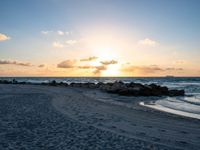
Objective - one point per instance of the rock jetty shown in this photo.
(118, 87)
(132, 89)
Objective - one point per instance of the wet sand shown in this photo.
(45, 117)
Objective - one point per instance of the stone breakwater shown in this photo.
(118, 87)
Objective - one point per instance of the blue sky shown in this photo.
(174, 24)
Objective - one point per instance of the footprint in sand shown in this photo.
(162, 130)
(140, 133)
(182, 142)
(122, 131)
(133, 124)
(148, 126)
(155, 139)
(113, 127)
(183, 132)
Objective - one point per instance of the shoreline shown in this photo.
(133, 128)
(171, 111)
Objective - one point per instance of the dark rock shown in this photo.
(43, 83)
(23, 82)
(14, 81)
(132, 84)
(5, 82)
(99, 84)
(53, 83)
(75, 84)
(85, 85)
(105, 87)
(62, 84)
(118, 87)
(137, 89)
(92, 85)
(176, 93)
(129, 92)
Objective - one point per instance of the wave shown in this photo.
(185, 106)
(37, 81)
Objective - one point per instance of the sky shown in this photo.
(99, 37)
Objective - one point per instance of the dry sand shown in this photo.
(44, 117)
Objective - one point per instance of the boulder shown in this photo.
(176, 93)
(53, 83)
(137, 89)
(92, 85)
(105, 87)
(14, 81)
(5, 82)
(63, 84)
(117, 86)
(76, 84)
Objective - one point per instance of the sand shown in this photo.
(45, 117)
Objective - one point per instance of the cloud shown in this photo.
(58, 44)
(109, 62)
(173, 69)
(86, 67)
(67, 64)
(71, 42)
(60, 32)
(4, 37)
(40, 66)
(98, 69)
(89, 58)
(142, 69)
(180, 62)
(68, 33)
(8, 62)
(45, 32)
(147, 42)
(147, 69)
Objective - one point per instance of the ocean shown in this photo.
(188, 106)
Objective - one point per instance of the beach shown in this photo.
(49, 117)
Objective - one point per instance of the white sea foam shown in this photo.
(37, 81)
(186, 106)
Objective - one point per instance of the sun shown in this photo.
(106, 53)
(112, 71)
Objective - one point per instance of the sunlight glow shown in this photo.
(112, 70)
(105, 53)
